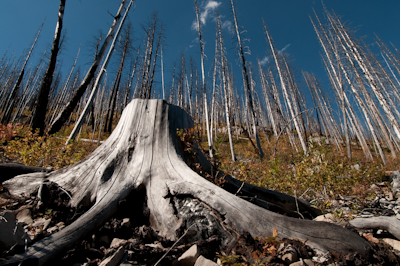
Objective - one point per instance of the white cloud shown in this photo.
(283, 49)
(211, 4)
(209, 7)
(195, 26)
(227, 25)
(264, 61)
(195, 42)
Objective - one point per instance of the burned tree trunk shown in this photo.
(38, 120)
(145, 153)
(70, 106)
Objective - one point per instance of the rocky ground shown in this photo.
(129, 240)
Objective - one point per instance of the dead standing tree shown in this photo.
(153, 46)
(70, 106)
(247, 85)
(11, 100)
(38, 120)
(226, 87)
(113, 97)
(203, 79)
(144, 153)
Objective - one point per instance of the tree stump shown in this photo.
(144, 153)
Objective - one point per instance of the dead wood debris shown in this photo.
(143, 246)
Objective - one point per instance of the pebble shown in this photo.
(320, 259)
(188, 258)
(115, 259)
(116, 243)
(52, 230)
(202, 261)
(126, 222)
(394, 243)
(301, 262)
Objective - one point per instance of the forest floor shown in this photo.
(342, 189)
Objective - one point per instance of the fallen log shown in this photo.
(390, 224)
(143, 154)
(9, 170)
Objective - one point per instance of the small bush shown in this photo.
(48, 151)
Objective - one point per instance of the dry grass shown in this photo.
(324, 174)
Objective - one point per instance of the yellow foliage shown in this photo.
(47, 151)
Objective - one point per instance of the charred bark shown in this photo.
(38, 120)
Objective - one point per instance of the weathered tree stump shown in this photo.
(143, 153)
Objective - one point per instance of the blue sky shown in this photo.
(287, 21)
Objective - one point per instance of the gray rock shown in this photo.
(301, 262)
(393, 242)
(188, 258)
(52, 229)
(24, 216)
(126, 222)
(395, 181)
(202, 261)
(320, 259)
(115, 259)
(355, 167)
(329, 217)
(116, 243)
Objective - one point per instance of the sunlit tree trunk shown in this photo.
(356, 54)
(203, 80)
(226, 89)
(70, 106)
(80, 121)
(265, 88)
(246, 82)
(284, 90)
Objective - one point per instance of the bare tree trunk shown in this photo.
(265, 88)
(70, 106)
(10, 103)
(247, 88)
(338, 85)
(79, 123)
(203, 79)
(162, 75)
(371, 81)
(38, 121)
(113, 97)
(153, 66)
(64, 91)
(226, 89)
(285, 92)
